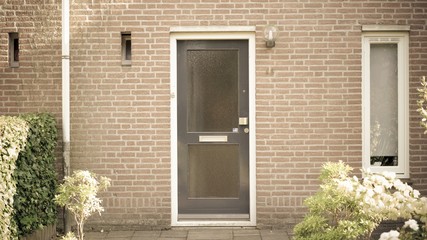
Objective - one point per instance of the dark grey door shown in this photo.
(213, 128)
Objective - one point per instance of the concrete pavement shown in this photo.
(191, 234)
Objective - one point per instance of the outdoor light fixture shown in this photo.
(270, 35)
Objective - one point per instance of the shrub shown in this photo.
(348, 208)
(411, 230)
(78, 195)
(13, 135)
(333, 215)
(36, 175)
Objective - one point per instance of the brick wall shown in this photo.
(308, 93)
(36, 85)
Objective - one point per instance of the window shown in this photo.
(126, 49)
(13, 50)
(385, 102)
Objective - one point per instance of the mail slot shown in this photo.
(213, 139)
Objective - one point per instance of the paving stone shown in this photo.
(174, 234)
(274, 235)
(210, 234)
(143, 238)
(247, 237)
(246, 232)
(95, 235)
(146, 235)
(184, 238)
(120, 234)
(193, 234)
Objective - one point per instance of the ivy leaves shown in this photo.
(36, 176)
(27, 171)
(13, 135)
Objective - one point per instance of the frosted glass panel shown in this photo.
(384, 104)
(213, 171)
(212, 90)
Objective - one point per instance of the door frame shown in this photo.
(212, 33)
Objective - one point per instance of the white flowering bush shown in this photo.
(78, 194)
(411, 230)
(422, 103)
(333, 213)
(382, 195)
(392, 235)
(350, 208)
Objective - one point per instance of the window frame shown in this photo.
(12, 37)
(125, 37)
(402, 41)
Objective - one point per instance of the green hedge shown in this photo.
(36, 175)
(28, 180)
(13, 134)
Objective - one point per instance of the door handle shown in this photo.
(243, 121)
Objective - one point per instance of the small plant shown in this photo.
(78, 195)
(69, 236)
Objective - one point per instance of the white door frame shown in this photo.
(212, 33)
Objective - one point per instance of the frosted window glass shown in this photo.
(212, 90)
(384, 104)
(213, 170)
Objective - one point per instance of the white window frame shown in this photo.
(402, 41)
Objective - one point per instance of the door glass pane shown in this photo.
(212, 90)
(213, 170)
(384, 104)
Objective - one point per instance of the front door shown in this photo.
(213, 129)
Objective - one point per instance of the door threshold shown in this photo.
(213, 217)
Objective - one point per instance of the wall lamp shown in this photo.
(270, 35)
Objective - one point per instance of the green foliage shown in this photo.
(36, 175)
(78, 195)
(413, 231)
(313, 227)
(332, 171)
(13, 135)
(346, 208)
(422, 103)
(333, 215)
(69, 236)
